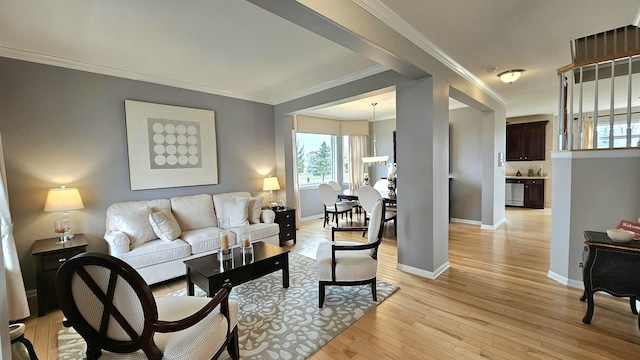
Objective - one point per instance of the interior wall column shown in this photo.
(422, 125)
(493, 142)
(284, 156)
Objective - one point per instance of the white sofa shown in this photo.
(155, 237)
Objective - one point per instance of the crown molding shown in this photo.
(393, 20)
(361, 74)
(105, 70)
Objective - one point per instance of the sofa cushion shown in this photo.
(219, 201)
(155, 252)
(236, 210)
(258, 231)
(205, 239)
(254, 208)
(136, 225)
(194, 212)
(164, 224)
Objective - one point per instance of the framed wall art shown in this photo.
(170, 146)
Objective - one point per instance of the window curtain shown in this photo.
(16, 295)
(587, 133)
(296, 185)
(357, 150)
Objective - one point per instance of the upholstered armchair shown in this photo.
(108, 303)
(351, 263)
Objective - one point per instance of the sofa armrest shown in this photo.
(118, 242)
(267, 216)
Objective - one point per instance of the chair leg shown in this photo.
(27, 344)
(326, 217)
(321, 293)
(373, 290)
(232, 345)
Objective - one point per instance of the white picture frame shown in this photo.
(170, 146)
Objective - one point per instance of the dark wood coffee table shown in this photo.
(210, 274)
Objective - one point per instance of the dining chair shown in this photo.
(367, 196)
(381, 185)
(345, 263)
(334, 184)
(329, 197)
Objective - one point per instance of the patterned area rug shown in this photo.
(278, 323)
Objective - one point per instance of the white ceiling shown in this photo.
(234, 48)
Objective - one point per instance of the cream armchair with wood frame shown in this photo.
(108, 303)
(351, 263)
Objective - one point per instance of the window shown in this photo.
(322, 158)
(315, 158)
(619, 132)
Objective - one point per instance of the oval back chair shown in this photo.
(108, 303)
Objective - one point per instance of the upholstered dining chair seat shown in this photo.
(340, 207)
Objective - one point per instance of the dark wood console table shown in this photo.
(611, 267)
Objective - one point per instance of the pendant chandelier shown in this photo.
(374, 160)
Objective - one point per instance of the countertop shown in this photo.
(526, 177)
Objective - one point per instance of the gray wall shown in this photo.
(62, 126)
(593, 190)
(466, 164)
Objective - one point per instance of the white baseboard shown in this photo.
(312, 217)
(476, 222)
(495, 226)
(465, 221)
(424, 273)
(565, 281)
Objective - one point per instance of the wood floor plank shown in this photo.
(495, 302)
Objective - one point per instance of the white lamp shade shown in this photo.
(270, 183)
(63, 199)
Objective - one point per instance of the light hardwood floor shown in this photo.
(494, 302)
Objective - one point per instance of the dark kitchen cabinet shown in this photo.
(534, 194)
(526, 141)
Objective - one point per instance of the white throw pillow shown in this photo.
(164, 224)
(255, 207)
(136, 226)
(237, 211)
(194, 212)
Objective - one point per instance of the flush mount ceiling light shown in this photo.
(510, 76)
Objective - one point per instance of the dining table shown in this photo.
(348, 194)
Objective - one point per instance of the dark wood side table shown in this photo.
(610, 267)
(286, 218)
(49, 255)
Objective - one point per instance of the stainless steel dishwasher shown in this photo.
(514, 192)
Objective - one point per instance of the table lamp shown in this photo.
(270, 183)
(63, 199)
